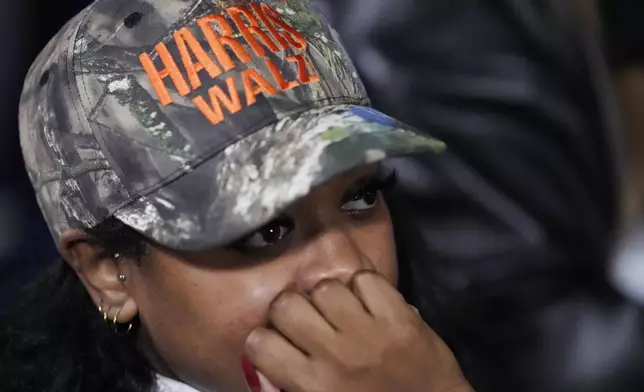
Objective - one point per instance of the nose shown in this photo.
(332, 254)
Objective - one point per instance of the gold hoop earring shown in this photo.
(120, 333)
(103, 313)
(105, 318)
(116, 326)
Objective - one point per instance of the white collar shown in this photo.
(165, 384)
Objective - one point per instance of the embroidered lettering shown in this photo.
(156, 76)
(249, 31)
(302, 71)
(219, 41)
(276, 35)
(279, 78)
(254, 83)
(250, 34)
(293, 37)
(185, 40)
(213, 111)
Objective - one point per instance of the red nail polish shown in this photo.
(252, 379)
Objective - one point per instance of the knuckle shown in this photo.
(324, 287)
(284, 301)
(356, 364)
(406, 335)
(364, 277)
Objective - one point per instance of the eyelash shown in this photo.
(380, 183)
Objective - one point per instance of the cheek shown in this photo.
(378, 245)
(198, 319)
(225, 304)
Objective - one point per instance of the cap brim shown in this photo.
(246, 185)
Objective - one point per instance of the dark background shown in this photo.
(25, 243)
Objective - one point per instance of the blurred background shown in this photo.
(450, 65)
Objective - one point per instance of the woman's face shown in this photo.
(197, 309)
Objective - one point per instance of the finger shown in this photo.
(301, 323)
(339, 306)
(266, 384)
(379, 296)
(276, 358)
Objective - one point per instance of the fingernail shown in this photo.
(252, 338)
(252, 379)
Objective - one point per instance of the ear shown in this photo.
(99, 275)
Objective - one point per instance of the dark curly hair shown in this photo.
(54, 340)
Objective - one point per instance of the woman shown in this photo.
(213, 179)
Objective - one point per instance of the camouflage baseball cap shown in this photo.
(195, 121)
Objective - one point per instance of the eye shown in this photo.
(363, 200)
(272, 235)
(366, 194)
